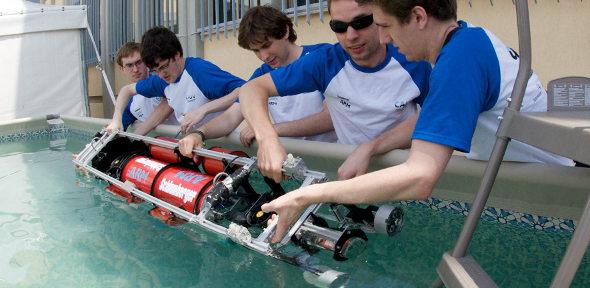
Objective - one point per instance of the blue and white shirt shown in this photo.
(200, 82)
(140, 108)
(286, 109)
(473, 77)
(363, 102)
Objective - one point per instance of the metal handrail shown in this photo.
(491, 171)
(575, 251)
(581, 238)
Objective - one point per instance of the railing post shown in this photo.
(195, 44)
(182, 34)
(106, 61)
(136, 22)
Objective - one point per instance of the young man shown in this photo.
(194, 88)
(270, 35)
(369, 88)
(472, 78)
(149, 112)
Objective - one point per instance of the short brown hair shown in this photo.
(126, 50)
(263, 22)
(439, 9)
(159, 43)
(360, 2)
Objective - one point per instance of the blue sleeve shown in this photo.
(151, 87)
(128, 118)
(213, 82)
(260, 71)
(459, 91)
(310, 73)
(314, 47)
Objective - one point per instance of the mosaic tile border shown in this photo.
(24, 135)
(491, 214)
(502, 216)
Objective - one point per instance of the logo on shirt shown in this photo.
(400, 105)
(190, 98)
(138, 112)
(344, 101)
(272, 103)
(513, 54)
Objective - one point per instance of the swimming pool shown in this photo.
(60, 229)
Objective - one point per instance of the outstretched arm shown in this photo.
(196, 115)
(311, 125)
(122, 99)
(397, 137)
(254, 104)
(412, 180)
(219, 126)
(158, 116)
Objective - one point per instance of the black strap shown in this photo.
(450, 35)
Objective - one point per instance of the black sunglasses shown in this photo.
(359, 23)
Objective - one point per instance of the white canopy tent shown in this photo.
(41, 70)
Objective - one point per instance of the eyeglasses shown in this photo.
(161, 68)
(358, 23)
(130, 66)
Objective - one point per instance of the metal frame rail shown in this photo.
(458, 269)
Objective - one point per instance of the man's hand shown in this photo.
(191, 118)
(289, 207)
(356, 164)
(247, 136)
(271, 155)
(114, 126)
(188, 143)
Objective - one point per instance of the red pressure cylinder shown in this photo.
(182, 188)
(165, 154)
(141, 171)
(213, 166)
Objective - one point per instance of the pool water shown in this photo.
(59, 228)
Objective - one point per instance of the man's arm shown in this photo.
(162, 111)
(122, 99)
(254, 104)
(219, 126)
(412, 180)
(397, 137)
(311, 125)
(315, 124)
(196, 115)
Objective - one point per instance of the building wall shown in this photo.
(560, 38)
(226, 53)
(95, 92)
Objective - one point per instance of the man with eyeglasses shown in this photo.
(149, 112)
(269, 33)
(195, 88)
(369, 88)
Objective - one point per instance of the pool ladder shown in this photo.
(570, 137)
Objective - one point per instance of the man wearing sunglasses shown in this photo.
(369, 88)
(195, 88)
(269, 33)
(149, 112)
(470, 85)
